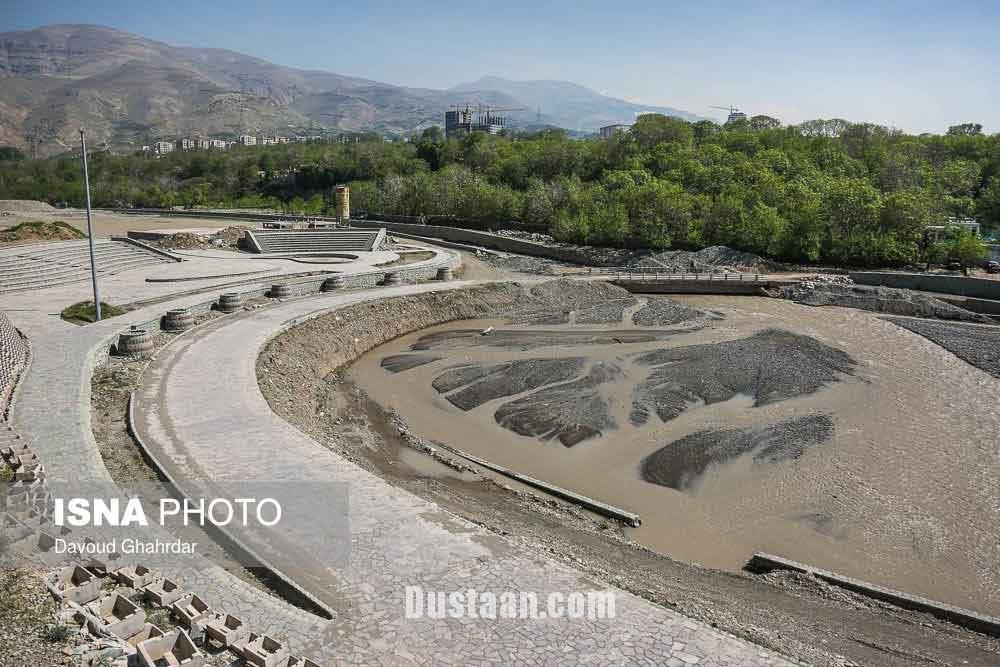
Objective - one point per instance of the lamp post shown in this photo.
(90, 228)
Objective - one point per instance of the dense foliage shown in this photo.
(825, 190)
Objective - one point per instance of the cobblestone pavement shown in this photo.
(201, 413)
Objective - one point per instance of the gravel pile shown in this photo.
(661, 311)
(714, 259)
(978, 345)
(682, 463)
(877, 299)
(769, 366)
(524, 264)
(227, 238)
(559, 301)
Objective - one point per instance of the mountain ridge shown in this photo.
(128, 90)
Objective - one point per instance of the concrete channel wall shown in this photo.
(981, 288)
(484, 239)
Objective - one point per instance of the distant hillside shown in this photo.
(570, 105)
(128, 91)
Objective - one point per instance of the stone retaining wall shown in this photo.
(13, 359)
(982, 288)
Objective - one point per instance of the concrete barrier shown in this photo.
(981, 288)
(989, 625)
(484, 239)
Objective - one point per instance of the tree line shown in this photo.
(821, 191)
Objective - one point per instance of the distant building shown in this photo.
(186, 144)
(248, 140)
(218, 144)
(932, 233)
(609, 131)
(203, 144)
(163, 147)
(282, 140)
(468, 120)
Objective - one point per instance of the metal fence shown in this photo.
(644, 274)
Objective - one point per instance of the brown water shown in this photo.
(906, 494)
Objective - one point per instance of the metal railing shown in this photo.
(650, 275)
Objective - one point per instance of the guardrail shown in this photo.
(649, 275)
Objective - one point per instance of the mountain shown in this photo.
(129, 91)
(570, 105)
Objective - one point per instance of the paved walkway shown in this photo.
(202, 413)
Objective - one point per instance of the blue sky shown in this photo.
(920, 66)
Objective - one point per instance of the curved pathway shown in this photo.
(202, 415)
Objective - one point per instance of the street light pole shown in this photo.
(90, 227)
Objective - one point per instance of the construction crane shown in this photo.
(734, 113)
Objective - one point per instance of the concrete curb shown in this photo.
(629, 518)
(988, 625)
(147, 247)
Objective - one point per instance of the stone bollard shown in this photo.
(280, 291)
(445, 273)
(135, 342)
(392, 279)
(333, 283)
(230, 302)
(178, 319)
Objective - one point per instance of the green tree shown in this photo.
(961, 245)
(966, 130)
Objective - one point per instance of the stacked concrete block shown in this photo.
(177, 320)
(135, 342)
(230, 302)
(392, 279)
(13, 359)
(262, 651)
(172, 649)
(116, 615)
(163, 592)
(333, 283)
(149, 631)
(225, 629)
(190, 609)
(281, 291)
(134, 576)
(75, 584)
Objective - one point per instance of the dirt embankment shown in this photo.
(38, 231)
(224, 239)
(301, 375)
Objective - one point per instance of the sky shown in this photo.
(919, 66)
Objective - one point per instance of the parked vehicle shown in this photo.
(993, 267)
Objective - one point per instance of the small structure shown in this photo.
(248, 140)
(174, 649)
(117, 615)
(342, 201)
(76, 584)
(225, 629)
(262, 651)
(134, 576)
(163, 592)
(190, 609)
(609, 131)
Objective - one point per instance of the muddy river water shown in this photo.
(900, 487)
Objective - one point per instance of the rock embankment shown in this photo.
(13, 359)
(978, 345)
(877, 299)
